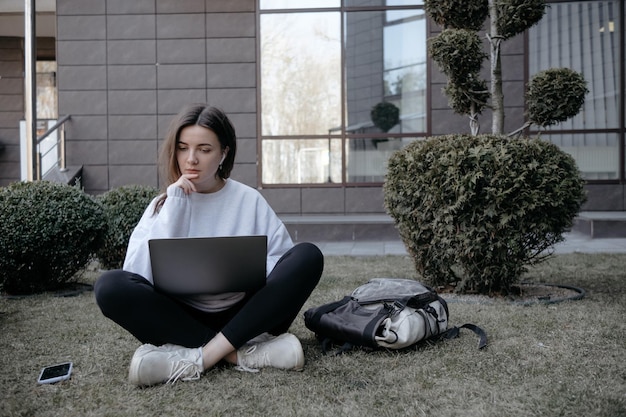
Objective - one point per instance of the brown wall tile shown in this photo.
(230, 6)
(82, 102)
(79, 7)
(126, 102)
(178, 51)
(132, 174)
(86, 127)
(81, 28)
(133, 152)
(230, 25)
(132, 77)
(130, 7)
(179, 6)
(88, 77)
(231, 50)
(231, 75)
(131, 26)
(133, 127)
(177, 26)
(81, 53)
(323, 200)
(131, 52)
(283, 200)
(183, 76)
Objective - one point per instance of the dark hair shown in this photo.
(206, 116)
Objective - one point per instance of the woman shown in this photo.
(184, 336)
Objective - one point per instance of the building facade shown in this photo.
(299, 85)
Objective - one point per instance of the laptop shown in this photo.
(209, 265)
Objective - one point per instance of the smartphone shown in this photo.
(55, 373)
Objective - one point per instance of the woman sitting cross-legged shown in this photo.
(185, 335)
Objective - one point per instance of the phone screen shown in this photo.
(55, 373)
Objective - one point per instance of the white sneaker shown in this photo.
(168, 363)
(282, 352)
(263, 337)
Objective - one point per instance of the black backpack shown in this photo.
(384, 313)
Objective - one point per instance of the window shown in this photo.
(584, 36)
(323, 70)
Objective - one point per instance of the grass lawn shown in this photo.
(565, 359)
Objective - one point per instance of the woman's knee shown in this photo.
(113, 285)
(310, 253)
(311, 260)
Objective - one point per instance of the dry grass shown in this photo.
(543, 360)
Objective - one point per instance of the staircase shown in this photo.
(70, 175)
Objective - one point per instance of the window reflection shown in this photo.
(301, 161)
(367, 159)
(384, 58)
(300, 73)
(582, 36)
(386, 62)
(363, 3)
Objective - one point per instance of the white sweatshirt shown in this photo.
(235, 210)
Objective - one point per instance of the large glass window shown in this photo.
(322, 73)
(585, 36)
(300, 73)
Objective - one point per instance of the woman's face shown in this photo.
(199, 154)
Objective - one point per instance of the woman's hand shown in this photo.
(185, 183)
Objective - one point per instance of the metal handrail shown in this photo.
(61, 162)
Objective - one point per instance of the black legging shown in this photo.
(154, 317)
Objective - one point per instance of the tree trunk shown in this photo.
(497, 97)
(474, 124)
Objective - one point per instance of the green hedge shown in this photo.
(474, 211)
(48, 232)
(123, 207)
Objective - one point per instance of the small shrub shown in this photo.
(473, 211)
(457, 52)
(123, 208)
(458, 14)
(518, 15)
(554, 95)
(48, 232)
(385, 115)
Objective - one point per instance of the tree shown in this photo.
(473, 211)
(458, 52)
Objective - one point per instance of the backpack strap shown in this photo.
(323, 309)
(327, 345)
(453, 332)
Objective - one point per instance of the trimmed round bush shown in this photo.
(458, 14)
(123, 208)
(474, 211)
(457, 52)
(554, 95)
(385, 115)
(48, 232)
(518, 15)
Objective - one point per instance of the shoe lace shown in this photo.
(264, 359)
(184, 371)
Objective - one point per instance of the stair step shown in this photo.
(336, 228)
(378, 227)
(601, 224)
(71, 175)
